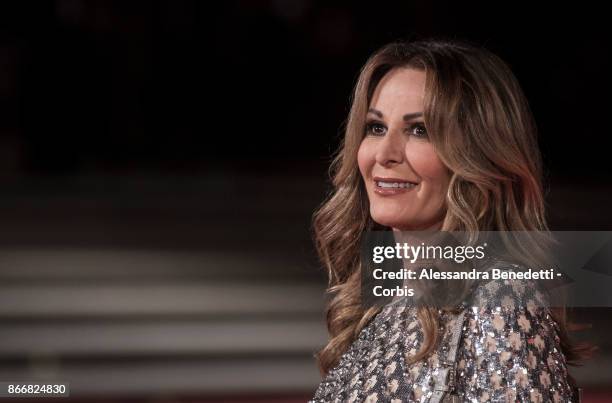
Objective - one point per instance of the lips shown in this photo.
(382, 179)
(387, 186)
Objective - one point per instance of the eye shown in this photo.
(375, 129)
(418, 130)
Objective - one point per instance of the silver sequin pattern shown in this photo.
(509, 351)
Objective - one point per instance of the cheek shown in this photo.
(429, 167)
(365, 158)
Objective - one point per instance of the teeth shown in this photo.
(395, 184)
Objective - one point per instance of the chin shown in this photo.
(390, 220)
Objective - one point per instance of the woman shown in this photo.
(439, 137)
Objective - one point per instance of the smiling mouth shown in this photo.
(394, 185)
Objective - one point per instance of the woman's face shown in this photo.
(405, 180)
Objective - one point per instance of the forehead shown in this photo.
(401, 90)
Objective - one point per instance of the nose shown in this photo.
(390, 150)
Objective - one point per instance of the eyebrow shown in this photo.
(408, 116)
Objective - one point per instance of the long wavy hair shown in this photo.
(482, 129)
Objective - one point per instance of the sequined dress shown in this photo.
(509, 351)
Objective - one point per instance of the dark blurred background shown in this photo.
(160, 162)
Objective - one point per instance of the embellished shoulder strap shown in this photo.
(444, 382)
